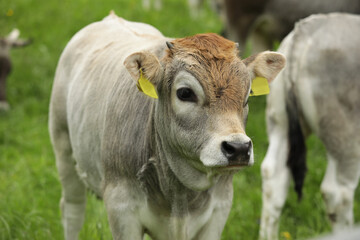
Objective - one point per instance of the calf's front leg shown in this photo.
(122, 212)
(213, 229)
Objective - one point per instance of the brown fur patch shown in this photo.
(210, 45)
(214, 61)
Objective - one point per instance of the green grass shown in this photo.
(29, 186)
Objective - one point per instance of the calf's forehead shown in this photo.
(226, 85)
(215, 63)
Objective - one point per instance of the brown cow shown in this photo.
(264, 21)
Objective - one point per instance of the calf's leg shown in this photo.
(122, 211)
(73, 200)
(213, 229)
(338, 187)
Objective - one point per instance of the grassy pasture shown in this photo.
(29, 186)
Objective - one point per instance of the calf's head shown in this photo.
(203, 88)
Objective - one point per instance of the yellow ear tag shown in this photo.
(145, 86)
(259, 86)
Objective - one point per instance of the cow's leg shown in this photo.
(3, 103)
(276, 177)
(338, 187)
(73, 198)
(4, 106)
(158, 4)
(5, 69)
(146, 4)
(195, 7)
(122, 212)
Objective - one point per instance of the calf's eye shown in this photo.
(186, 95)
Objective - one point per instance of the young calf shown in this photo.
(6, 43)
(163, 165)
(317, 92)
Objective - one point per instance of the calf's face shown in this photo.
(203, 88)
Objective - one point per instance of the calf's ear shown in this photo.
(265, 65)
(144, 64)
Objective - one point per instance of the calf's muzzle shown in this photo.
(237, 153)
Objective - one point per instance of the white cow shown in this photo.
(163, 166)
(318, 92)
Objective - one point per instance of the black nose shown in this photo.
(236, 153)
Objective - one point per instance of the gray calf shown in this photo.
(163, 166)
(318, 92)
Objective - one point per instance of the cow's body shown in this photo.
(317, 93)
(163, 167)
(264, 21)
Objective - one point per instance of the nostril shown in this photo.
(233, 150)
(229, 148)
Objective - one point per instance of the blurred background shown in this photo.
(29, 186)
